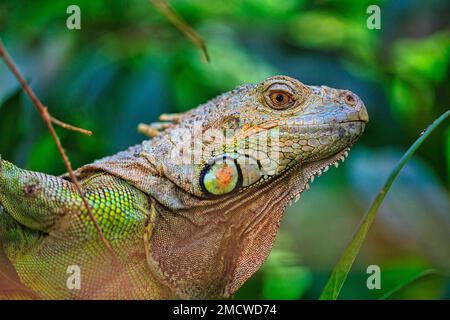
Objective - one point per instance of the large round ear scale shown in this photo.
(220, 176)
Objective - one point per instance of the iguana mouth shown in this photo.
(354, 121)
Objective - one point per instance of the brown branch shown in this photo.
(49, 120)
(166, 9)
(70, 127)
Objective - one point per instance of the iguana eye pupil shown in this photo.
(278, 99)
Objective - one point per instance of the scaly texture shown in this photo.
(192, 212)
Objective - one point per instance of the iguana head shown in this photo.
(228, 170)
(223, 173)
(257, 134)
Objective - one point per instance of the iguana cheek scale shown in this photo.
(189, 229)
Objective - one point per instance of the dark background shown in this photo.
(128, 64)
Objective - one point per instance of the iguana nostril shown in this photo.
(350, 99)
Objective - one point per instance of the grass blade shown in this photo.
(407, 282)
(340, 271)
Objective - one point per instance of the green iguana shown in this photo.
(192, 212)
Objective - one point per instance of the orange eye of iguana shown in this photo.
(280, 99)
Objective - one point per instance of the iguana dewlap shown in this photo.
(192, 212)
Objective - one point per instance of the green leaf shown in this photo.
(427, 58)
(340, 272)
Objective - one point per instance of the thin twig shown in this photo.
(165, 8)
(48, 119)
(70, 127)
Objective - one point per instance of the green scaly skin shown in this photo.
(178, 231)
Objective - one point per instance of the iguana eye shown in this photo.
(279, 97)
(221, 176)
(280, 100)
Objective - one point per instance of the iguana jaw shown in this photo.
(311, 171)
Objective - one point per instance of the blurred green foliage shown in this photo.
(128, 64)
